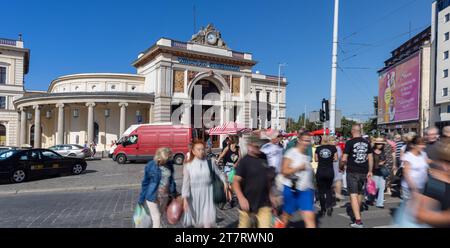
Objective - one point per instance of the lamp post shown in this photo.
(278, 94)
(334, 69)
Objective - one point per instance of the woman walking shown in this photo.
(415, 168)
(197, 190)
(298, 183)
(158, 185)
(380, 170)
(325, 154)
(231, 156)
(338, 175)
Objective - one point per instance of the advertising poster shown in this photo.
(399, 89)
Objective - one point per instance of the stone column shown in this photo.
(23, 127)
(37, 126)
(150, 114)
(90, 122)
(60, 134)
(123, 117)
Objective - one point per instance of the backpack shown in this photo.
(219, 196)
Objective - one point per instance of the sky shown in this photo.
(86, 36)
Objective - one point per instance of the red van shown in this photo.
(140, 142)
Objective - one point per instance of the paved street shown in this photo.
(106, 195)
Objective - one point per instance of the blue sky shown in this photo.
(84, 36)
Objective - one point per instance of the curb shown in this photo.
(90, 188)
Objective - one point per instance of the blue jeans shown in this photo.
(381, 185)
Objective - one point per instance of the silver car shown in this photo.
(75, 151)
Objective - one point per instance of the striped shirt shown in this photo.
(398, 148)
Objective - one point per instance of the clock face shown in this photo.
(211, 38)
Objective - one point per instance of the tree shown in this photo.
(346, 129)
(370, 126)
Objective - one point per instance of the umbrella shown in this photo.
(228, 128)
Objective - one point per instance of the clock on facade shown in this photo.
(211, 38)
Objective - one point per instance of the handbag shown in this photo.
(218, 187)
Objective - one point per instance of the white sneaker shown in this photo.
(354, 225)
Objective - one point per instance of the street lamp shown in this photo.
(278, 94)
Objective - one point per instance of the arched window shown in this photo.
(96, 131)
(2, 135)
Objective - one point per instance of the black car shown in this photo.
(20, 165)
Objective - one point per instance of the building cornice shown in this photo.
(82, 97)
(96, 76)
(155, 50)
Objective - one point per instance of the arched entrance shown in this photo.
(2, 135)
(205, 110)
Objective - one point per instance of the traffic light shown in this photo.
(325, 110)
(322, 115)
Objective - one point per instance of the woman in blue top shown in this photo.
(158, 185)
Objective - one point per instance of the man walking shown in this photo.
(359, 161)
(252, 183)
(431, 137)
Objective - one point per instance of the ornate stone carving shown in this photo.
(236, 87)
(192, 75)
(178, 81)
(202, 37)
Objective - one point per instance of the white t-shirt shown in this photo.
(305, 177)
(418, 169)
(274, 155)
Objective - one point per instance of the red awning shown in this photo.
(320, 132)
(228, 128)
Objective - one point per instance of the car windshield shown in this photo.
(7, 154)
(77, 147)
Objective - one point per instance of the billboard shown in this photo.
(399, 92)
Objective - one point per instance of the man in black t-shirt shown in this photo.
(359, 160)
(252, 183)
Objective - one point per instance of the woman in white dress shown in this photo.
(197, 190)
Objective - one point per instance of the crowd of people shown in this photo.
(272, 177)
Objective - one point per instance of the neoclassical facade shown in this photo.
(176, 82)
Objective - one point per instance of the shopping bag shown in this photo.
(174, 211)
(371, 187)
(141, 217)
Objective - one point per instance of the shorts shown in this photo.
(299, 200)
(229, 172)
(356, 182)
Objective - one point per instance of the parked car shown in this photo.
(76, 151)
(140, 142)
(20, 165)
(6, 148)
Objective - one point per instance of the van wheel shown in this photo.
(18, 176)
(178, 159)
(121, 159)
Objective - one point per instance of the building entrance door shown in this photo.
(204, 115)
